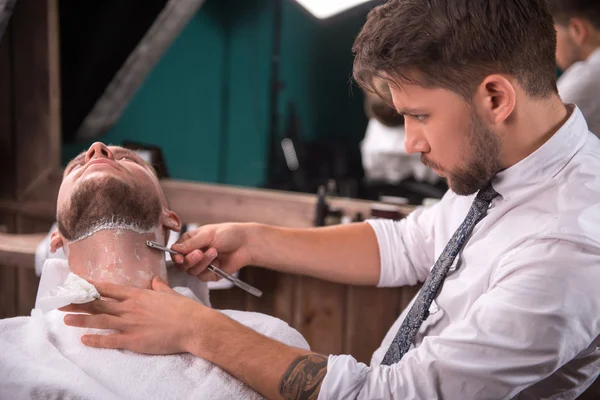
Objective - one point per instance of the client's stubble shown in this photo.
(107, 203)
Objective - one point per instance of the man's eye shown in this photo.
(126, 159)
(420, 118)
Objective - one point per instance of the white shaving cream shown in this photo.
(113, 226)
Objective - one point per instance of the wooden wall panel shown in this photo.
(29, 132)
(228, 299)
(7, 158)
(319, 314)
(279, 291)
(8, 277)
(285, 297)
(27, 281)
(370, 313)
(36, 131)
(264, 280)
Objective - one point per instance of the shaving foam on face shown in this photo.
(113, 226)
(74, 290)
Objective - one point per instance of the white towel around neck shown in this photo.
(41, 357)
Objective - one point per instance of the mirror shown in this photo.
(256, 93)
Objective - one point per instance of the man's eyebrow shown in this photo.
(409, 111)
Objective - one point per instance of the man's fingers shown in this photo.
(113, 291)
(208, 276)
(95, 307)
(102, 321)
(189, 241)
(192, 259)
(112, 341)
(76, 308)
(201, 264)
(159, 286)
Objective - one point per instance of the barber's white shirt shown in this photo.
(519, 314)
(580, 85)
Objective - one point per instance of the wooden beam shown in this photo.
(208, 203)
(18, 250)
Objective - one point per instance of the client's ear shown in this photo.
(56, 241)
(170, 220)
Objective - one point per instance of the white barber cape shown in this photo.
(580, 85)
(518, 316)
(42, 358)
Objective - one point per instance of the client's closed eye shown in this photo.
(127, 158)
(76, 165)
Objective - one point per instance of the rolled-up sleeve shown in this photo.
(406, 247)
(538, 314)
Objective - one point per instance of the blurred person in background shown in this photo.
(577, 24)
(384, 156)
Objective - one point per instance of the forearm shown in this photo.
(275, 370)
(344, 253)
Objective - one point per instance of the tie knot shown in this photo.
(487, 193)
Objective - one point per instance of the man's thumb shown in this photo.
(159, 286)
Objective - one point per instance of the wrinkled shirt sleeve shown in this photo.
(526, 326)
(406, 247)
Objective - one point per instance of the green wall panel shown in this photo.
(250, 27)
(206, 103)
(179, 105)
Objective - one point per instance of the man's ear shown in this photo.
(56, 241)
(169, 219)
(578, 30)
(495, 99)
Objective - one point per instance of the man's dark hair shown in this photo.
(455, 44)
(564, 10)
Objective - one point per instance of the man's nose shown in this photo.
(414, 140)
(98, 150)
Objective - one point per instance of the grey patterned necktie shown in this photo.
(420, 309)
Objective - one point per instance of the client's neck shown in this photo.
(118, 256)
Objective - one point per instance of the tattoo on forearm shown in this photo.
(303, 378)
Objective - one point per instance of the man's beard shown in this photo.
(482, 159)
(108, 202)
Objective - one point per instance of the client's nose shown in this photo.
(98, 150)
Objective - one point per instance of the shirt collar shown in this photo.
(595, 56)
(545, 162)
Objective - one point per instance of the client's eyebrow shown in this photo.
(117, 153)
(74, 161)
(122, 152)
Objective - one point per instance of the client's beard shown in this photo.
(108, 203)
